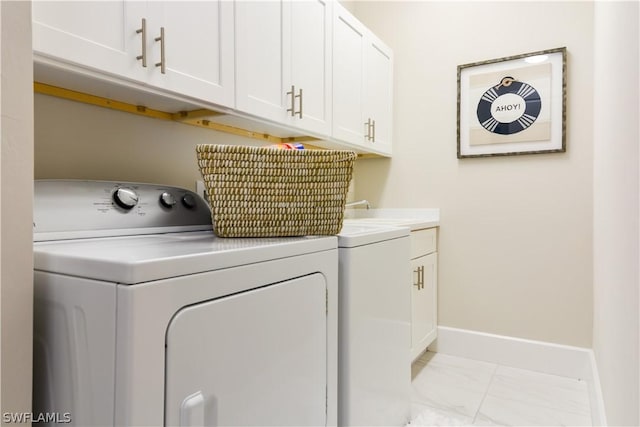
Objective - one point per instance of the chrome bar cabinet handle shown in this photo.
(418, 283)
(163, 63)
(373, 139)
(143, 31)
(299, 96)
(292, 110)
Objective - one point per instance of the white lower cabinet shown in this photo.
(424, 290)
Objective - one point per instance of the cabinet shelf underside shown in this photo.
(198, 117)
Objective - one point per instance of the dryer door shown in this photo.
(254, 358)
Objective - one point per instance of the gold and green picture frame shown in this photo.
(513, 105)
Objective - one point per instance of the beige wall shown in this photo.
(616, 211)
(16, 176)
(79, 141)
(516, 232)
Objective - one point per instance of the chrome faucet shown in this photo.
(358, 203)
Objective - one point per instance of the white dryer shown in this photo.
(144, 318)
(375, 326)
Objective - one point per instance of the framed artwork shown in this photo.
(513, 105)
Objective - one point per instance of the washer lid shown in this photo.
(353, 234)
(136, 259)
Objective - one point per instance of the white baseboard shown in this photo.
(538, 356)
(598, 414)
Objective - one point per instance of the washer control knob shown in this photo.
(167, 200)
(125, 197)
(189, 201)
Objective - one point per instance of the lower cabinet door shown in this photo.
(254, 358)
(424, 301)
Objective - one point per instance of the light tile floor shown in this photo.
(454, 391)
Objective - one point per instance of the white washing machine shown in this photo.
(375, 326)
(144, 318)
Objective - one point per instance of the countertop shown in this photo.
(415, 219)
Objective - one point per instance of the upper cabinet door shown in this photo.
(362, 85)
(348, 65)
(198, 55)
(283, 62)
(261, 52)
(310, 32)
(378, 78)
(183, 47)
(98, 35)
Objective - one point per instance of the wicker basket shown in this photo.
(267, 192)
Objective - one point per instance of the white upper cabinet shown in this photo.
(378, 94)
(261, 52)
(198, 48)
(183, 47)
(299, 67)
(311, 64)
(362, 85)
(98, 35)
(283, 62)
(348, 66)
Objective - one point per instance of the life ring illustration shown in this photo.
(509, 108)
